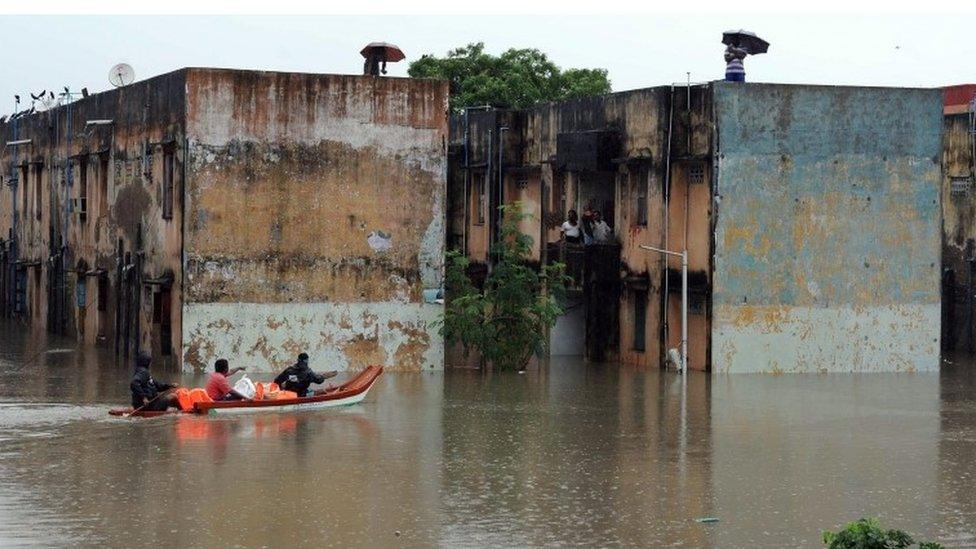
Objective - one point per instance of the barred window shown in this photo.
(169, 161)
(696, 173)
(639, 183)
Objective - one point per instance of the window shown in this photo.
(639, 184)
(479, 199)
(165, 324)
(82, 205)
(959, 185)
(157, 308)
(36, 307)
(81, 291)
(102, 292)
(168, 169)
(23, 190)
(640, 319)
(38, 194)
(103, 185)
(696, 173)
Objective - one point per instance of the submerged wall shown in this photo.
(827, 232)
(315, 219)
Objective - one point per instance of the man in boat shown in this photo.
(147, 394)
(218, 387)
(299, 376)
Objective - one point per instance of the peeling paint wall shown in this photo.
(958, 233)
(827, 235)
(314, 219)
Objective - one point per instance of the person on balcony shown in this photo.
(571, 228)
(602, 233)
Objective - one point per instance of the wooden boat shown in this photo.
(350, 392)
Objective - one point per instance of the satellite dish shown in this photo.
(121, 75)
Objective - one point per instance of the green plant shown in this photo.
(517, 78)
(867, 533)
(507, 321)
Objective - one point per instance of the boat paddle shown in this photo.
(161, 393)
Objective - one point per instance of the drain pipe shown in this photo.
(667, 208)
(501, 178)
(684, 301)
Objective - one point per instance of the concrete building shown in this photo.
(958, 220)
(241, 214)
(811, 215)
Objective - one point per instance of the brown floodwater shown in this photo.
(576, 454)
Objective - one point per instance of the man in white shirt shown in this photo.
(571, 229)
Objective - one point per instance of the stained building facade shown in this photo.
(249, 215)
(810, 215)
(959, 220)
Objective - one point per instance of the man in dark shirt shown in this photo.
(147, 394)
(298, 377)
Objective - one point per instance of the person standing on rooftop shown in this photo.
(735, 71)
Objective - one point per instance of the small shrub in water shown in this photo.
(506, 322)
(867, 533)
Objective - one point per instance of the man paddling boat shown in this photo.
(299, 376)
(147, 394)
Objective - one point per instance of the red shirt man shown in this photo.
(218, 387)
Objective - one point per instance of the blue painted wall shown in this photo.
(827, 231)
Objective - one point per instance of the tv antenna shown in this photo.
(49, 101)
(121, 75)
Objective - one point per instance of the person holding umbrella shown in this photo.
(735, 71)
(740, 44)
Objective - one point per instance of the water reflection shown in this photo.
(569, 454)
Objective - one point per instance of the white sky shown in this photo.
(49, 52)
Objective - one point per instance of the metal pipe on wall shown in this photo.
(501, 177)
(667, 217)
(13, 210)
(486, 186)
(467, 183)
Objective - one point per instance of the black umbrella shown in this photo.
(745, 40)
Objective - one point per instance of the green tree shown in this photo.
(517, 78)
(506, 322)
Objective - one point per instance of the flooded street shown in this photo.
(595, 455)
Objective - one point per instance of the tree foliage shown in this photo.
(867, 533)
(517, 78)
(506, 322)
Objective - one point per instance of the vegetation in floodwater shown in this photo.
(867, 533)
(506, 321)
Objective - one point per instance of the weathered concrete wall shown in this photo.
(827, 235)
(958, 233)
(635, 183)
(640, 119)
(97, 190)
(315, 219)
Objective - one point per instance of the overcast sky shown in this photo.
(50, 52)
